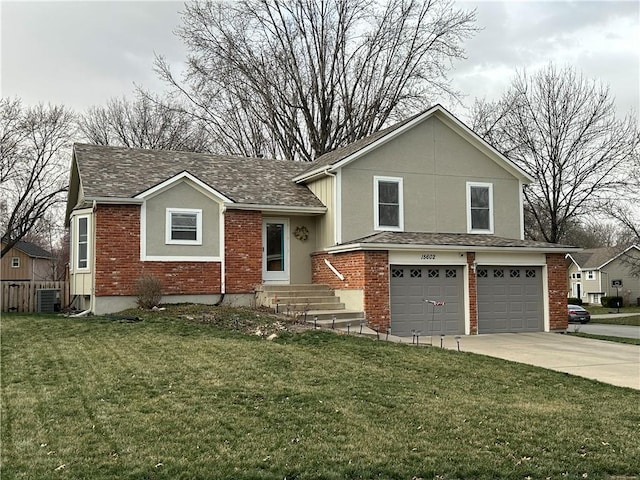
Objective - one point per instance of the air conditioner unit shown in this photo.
(48, 300)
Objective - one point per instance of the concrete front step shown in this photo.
(301, 307)
(273, 288)
(306, 299)
(339, 314)
(352, 323)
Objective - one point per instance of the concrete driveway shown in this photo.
(608, 362)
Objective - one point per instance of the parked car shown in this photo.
(578, 314)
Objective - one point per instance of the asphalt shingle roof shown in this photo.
(593, 258)
(454, 239)
(118, 172)
(33, 250)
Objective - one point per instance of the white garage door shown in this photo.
(412, 285)
(510, 299)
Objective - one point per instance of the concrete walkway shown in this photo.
(608, 362)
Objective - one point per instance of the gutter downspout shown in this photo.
(335, 204)
(223, 258)
(92, 224)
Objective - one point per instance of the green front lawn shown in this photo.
(173, 397)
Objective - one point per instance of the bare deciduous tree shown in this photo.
(34, 165)
(561, 129)
(300, 78)
(144, 123)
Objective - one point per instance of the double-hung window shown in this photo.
(184, 226)
(479, 207)
(387, 199)
(82, 242)
(15, 262)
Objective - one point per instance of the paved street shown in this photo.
(627, 331)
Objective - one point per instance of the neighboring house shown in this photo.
(593, 273)
(424, 210)
(27, 262)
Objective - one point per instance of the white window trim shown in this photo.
(376, 214)
(15, 262)
(590, 275)
(197, 212)
(490, 187)
(76, 243)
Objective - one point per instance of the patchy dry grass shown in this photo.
(187, 393)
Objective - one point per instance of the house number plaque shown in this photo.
(428, 256)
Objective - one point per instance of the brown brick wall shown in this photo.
(557, 282)
(368, 271)
(118, 264)
(473, 295)
(243, 250)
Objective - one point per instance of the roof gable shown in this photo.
(338, 158)
(206, 189)
(597, 258)
(32, 250)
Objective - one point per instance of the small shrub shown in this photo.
(611, 302)
(148, 291)
(574, 301)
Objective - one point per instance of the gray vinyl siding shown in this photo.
(182, 195)
(618, 270)
(435, 164)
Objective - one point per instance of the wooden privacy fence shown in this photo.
(22, 296)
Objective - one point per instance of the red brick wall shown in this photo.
(243, 250)
(368, 271)
(118, 264)
(473, 294)
(350, 264)
(557, 282)
(376, 291)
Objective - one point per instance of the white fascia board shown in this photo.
(115, 200)
(467, 248)
(568, 255)
(292, 210)
(181, 176)
(475, 138)
(460, 127)
(618, 256)
(367, 149)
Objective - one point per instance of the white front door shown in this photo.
(275, 250)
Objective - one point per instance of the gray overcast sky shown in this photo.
(82, 53)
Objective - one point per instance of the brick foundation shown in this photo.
(557, 284)
(118, 265)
